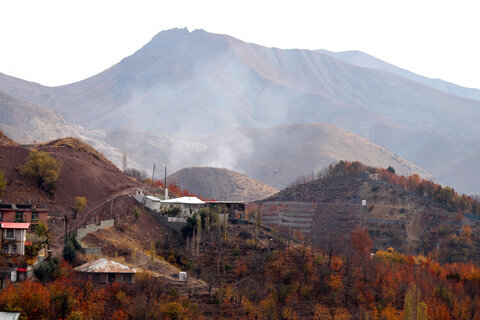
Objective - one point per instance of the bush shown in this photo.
(3, 181)
(44, 169)
(69, 252)
(47, 271)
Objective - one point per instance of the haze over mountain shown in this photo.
(275, 156)
(25, 122)
(189, 83)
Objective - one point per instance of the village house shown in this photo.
(104, 271)
(187, 205)
(23, 213)
(14, 236)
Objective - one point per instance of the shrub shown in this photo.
(3, 182)
(69, 252)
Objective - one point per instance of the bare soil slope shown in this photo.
(84, 172)
(221, 184)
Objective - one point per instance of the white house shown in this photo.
(14, 236)
(187, 205)
(150, 202)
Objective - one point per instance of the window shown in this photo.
(10, 234)
(34, 216)
(14, 249)
(33, 227)
(5, 248)
(19, 216)
(111, 277)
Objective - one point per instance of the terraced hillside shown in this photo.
(328, 210)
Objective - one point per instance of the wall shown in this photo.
(89, 228)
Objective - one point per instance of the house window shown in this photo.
(10, 234)
(5, 248)
(14, 249)
(19, 216)
(111, 277)
(33, 227)
(34, 216)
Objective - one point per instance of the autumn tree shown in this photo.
(3, 182)
(414, 308)
(44, 169)
(79, 203)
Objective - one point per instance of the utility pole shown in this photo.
(165, 184)
(66, 233)
(153, 177)
(124, 161)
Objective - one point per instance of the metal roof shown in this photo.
(9, 315)
(15, 225)
(153, 198)
(103, 265)
(184, 200)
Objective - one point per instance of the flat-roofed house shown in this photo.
(11, 212)
(14, 236)
(187, 205)
(103, 271)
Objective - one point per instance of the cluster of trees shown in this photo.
(301, 282)
(445, 195)
(254, 282)
(67, 297)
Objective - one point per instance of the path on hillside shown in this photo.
(73, 224)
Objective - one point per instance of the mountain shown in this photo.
(191, 82)
(26, 122)
(275, 156)
(220, 184)
(185, 83)
(362, 59)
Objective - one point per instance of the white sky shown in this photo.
(56, 42)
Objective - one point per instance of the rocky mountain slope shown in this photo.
(220, 184)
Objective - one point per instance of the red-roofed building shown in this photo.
(10, 212)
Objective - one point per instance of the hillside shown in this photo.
(329, 209)
(220, 184)
(85, 173)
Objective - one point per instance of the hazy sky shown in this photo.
(61, 41)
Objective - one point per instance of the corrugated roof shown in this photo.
(15, 225)
(184, 200)
(103, 265)
(9, 315)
